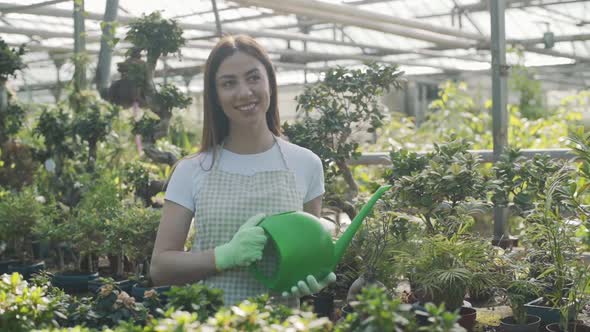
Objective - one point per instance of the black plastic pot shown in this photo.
(467, 320)
(5, 264)
(124, 285)
(137, 292)
(26, 270)
(323, 305)
(74, 282)
(532, 324)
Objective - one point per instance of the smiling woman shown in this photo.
(243, 172)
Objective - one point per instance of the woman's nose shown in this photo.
(244, 90)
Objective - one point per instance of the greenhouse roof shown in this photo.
(304, 37)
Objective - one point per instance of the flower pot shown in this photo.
(467, 320)
(26, 269)
(137, 291)
(548, 314)
(74, 282)
(323, 305)
(124, 285)
(573, 326)
(5, 264)
(532, 324)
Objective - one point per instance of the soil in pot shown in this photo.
(573, 326)
(508, 324)
(467, 320)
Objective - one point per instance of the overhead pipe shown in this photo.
(352, 20)
(371, 16)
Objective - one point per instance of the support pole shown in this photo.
(217, 21)
(103, 68)
(79, 46)
(499, 99)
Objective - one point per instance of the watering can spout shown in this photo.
(344, 240)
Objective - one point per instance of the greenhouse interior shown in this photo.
(377, 165)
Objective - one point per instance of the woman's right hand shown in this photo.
(244, 248)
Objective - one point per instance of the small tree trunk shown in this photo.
(60, 258)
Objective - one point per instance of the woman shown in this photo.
(243, 172)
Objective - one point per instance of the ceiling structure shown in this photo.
(303, 37)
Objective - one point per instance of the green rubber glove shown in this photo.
(244, 248)
(310, 285)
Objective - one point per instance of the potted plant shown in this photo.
(19, 213)
(87, 226)
(443, 188)
(441, 270)
(576, 299)
(520, 292)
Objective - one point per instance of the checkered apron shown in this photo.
(225, 202)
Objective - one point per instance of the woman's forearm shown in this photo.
(181, 268)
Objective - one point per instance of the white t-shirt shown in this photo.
(190, 173)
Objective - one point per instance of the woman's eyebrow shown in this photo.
(230, 76)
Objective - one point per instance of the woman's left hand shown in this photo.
(310, 285)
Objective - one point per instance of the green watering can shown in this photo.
(303, 247)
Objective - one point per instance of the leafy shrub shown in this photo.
(23, 307)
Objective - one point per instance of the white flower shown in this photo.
(77, 185)
(40, 199)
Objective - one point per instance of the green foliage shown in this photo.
(530, 92)
(442, 269)
(146, 126)
(156, 35)
(520, 292)
(197, 298)
(23, 307)
(92, 117)
(133, 230)
(345, 101)
(11, 120)
(456, 111)
(169, 97)
(10, 60)
(375, 310)
(19, 213)
(437, 185)
(55, 126)
(111, 307)
(521, 181)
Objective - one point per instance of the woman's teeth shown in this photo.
(248, 107)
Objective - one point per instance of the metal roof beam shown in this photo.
(483, 5)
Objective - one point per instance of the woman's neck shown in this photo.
(248, 142)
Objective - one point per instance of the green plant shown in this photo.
(441, 269)
(344, 102)
(134, 231)
(23, 307)
(10, 60)
(441, 187)
(19, 213)
(376, 310)
(89, 223)
(197, 298)
(111, 307)
(169, 97)
(156, 35)
(520, 292)
(92, 121)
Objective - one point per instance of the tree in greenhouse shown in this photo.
(338, 108)
(152, 36)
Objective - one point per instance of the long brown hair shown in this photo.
(216, 123)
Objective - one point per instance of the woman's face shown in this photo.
(243, 90)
